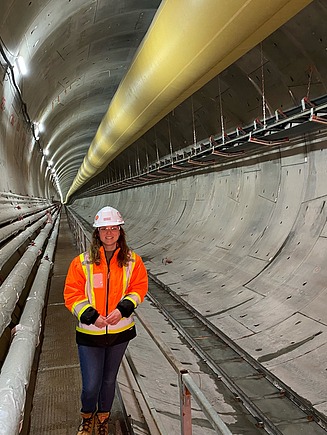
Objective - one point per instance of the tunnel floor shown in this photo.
(55, 408)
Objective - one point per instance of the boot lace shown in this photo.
(86, 426)
(102, 427)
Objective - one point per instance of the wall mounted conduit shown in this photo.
(17, 226)
(16, 370)
(12, 287)
(9, 249)
(187, 44)
(14, 206)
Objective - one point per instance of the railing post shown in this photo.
(185, 407)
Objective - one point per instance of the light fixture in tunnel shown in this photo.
(21, 65)
(38, 128)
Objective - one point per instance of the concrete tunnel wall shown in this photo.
(23, 169)
(246, 240)
(247, 244)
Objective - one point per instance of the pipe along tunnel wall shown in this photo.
(28, 233)
(246, 245)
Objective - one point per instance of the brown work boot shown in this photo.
(86, 427)
(102, 423)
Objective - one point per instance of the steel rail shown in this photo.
(186, 379)
(283, 388)
(239, 356)
(261, 419)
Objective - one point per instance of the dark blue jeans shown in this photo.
(99, 368)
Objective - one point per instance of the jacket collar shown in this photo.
(103, 255)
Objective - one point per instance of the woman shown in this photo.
(102, 289)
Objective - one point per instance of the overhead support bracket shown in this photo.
(319, 119)
(279, 114)
(154, 176)
(305, 102)
(258, 124)
(194, 162)
(227, 154)
(223, 153)
(180, 168)
(240, 131)
(268, 143)
(143, 178)
(160, 171)
(199, 154)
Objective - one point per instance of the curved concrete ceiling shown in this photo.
(77, 56)
(166, 70)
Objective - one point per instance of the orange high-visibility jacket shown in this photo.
(90, 285)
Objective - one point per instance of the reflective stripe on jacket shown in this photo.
(88, 285)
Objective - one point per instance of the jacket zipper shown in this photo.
(107, 294)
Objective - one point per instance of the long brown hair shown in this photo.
(123, 254)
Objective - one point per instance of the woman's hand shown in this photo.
(100, 322)
(114, 317)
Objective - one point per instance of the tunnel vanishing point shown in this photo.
(204, 123)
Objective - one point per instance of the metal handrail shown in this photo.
(187, 387)
(80, 234)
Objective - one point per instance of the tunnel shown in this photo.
(204, 123)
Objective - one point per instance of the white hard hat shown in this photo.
(107, 216)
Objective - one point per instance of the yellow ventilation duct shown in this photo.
(188, 43)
